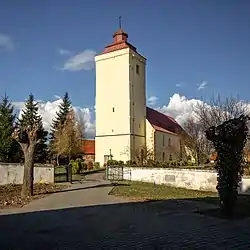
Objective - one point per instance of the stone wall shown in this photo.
(12, 173)
(184, 178)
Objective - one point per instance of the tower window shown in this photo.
(113, 109)
(137, 69)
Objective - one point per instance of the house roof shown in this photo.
(119, 42)
(162, 122)
(88, 147)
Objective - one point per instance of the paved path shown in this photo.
(86, 217)
(92, 191)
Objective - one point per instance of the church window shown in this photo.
(113, 109)
(139, 125)
(163, 140)
(137, 69)
(163, 156)
(169, 142)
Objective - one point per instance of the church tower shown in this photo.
(120, 101)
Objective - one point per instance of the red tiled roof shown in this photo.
(88, 147)
(162, 129)
(162, 122)
(119, 42)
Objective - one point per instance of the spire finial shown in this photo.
(120, 22)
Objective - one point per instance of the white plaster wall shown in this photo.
(112, 91)
(120, 104)
(162, 145)
(205, 180)
(150, 137)
(119, 145)
(13, 173)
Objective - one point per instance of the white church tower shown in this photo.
(120, 101)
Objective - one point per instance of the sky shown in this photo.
(194, 49)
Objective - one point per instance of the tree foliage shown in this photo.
(68, 137)
(229, 140)
(61, 115)
(8, 146)
(42, 149)
(28, 133)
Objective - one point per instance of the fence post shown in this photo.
(69, 173)
(107, 172)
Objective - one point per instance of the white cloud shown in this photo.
(152, 100)
(178, 85)
(57, 97)
(6, 42)
(64, 52)
(202, 85)
(48, 112)
(81, 61)
(180, 108)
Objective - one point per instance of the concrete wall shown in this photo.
(12, 173)
(184, 178)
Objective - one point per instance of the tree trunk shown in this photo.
(57, 159)
(28, 175)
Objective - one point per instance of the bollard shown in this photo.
(69, 173)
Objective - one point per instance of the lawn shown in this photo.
(142, 191)
(149, 191)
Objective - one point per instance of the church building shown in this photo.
(124, 124)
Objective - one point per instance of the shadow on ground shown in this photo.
(169, 224)
(90, 187)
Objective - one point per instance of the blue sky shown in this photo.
(186, 43)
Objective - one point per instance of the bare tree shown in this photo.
(196, 141)
(28, 133)
(218, 111)
(143, 155)
(211, 114)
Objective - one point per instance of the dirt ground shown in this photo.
(10, 195)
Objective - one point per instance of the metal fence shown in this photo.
(64, 174)
(117, 173)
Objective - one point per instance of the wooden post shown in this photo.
(69, 173)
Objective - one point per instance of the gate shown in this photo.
(117, 173)
(61, 174)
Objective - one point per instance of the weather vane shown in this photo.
(120, 22)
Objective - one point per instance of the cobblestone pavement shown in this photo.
(149, 225)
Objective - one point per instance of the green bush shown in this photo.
(114, 162)
(77, 165)
(97, 165)
(131, 163)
